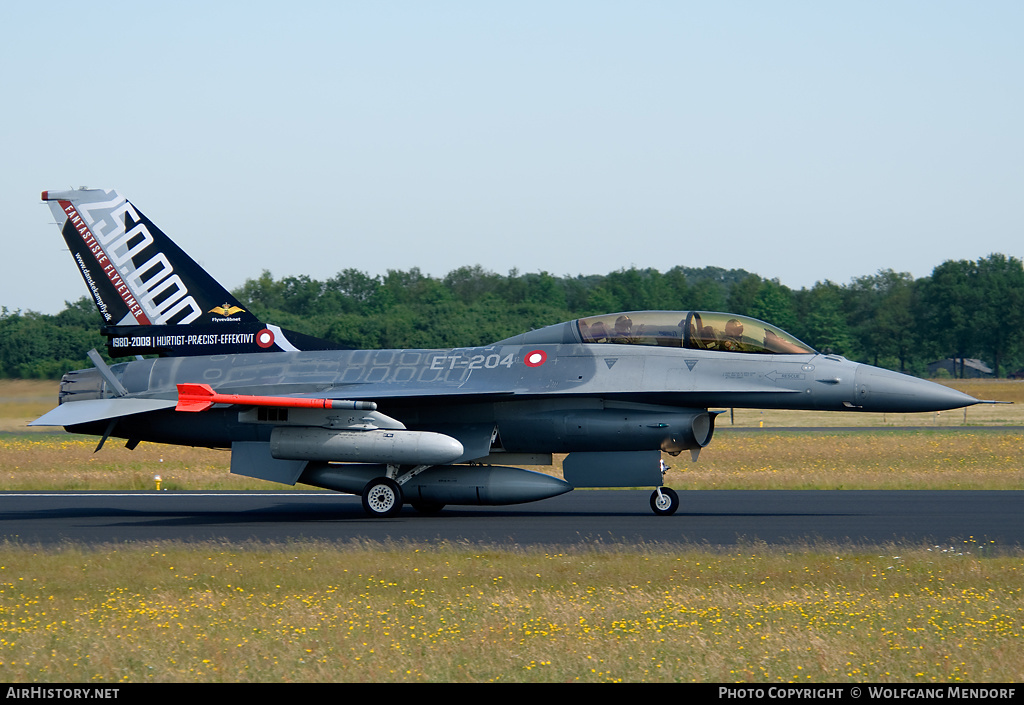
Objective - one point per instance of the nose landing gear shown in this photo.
(664, 501)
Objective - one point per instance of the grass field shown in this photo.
(364, 612)
(440, 613)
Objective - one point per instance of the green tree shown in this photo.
(952, 303)
(774, 303)
(823, 323)
(999, 317)
(34, 345)
(742, 295)
(885, 317)
(353, 291)
(469, 284)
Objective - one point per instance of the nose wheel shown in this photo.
(664, 501)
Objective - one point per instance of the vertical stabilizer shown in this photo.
(135, 273)
(139, 278)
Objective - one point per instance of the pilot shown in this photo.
(733, 338)
(623, 330)
(598, 333)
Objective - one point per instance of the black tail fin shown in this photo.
(153, 297)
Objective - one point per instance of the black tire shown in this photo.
(667, 504)
(382, 497)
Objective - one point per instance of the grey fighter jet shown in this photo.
(427, 428)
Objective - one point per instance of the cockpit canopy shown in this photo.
(701, 330)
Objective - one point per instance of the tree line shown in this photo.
(965, 309)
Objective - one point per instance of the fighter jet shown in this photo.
(427, 428)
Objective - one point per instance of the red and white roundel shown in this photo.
(535, 358)
(265, 338)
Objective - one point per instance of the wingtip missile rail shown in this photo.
(200, 397)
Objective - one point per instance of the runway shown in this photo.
(583, 517)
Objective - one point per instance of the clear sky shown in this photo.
(802, 141)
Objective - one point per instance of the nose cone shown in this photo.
(883, 390)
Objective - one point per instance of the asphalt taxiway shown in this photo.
(582, 517)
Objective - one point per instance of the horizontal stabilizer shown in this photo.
(200, 397)
(85, 411)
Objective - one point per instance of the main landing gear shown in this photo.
(382, 497)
